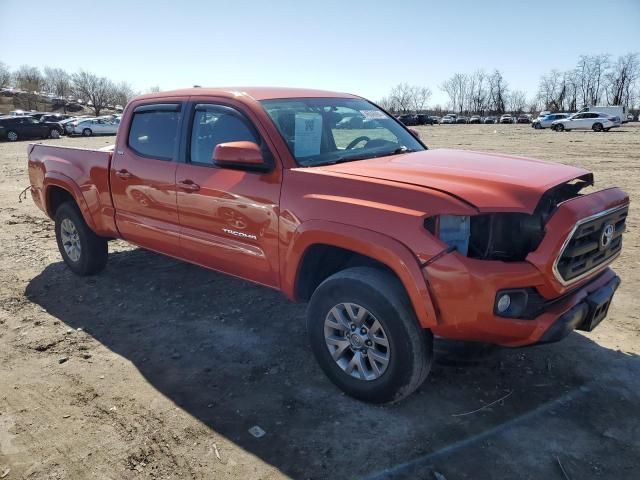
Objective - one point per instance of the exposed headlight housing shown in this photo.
(454, 230)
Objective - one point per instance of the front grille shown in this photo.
(594, 241)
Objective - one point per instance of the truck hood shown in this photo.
(487, 181)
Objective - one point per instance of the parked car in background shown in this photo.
(475, 119)
(461, 119)
(448, 119)
(23, 127)
(408, 119)
(424, 119)
(350, 122)
(523, 119)
(506, 118)
(490, 119)
(96, 126)
(54, 117)
(595, 121)
(547, 120)
(630, 117)
(18, 113)
(435, 119)
(611, 110)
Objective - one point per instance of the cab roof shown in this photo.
(256, 93)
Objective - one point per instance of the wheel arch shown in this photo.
(59, 188)
(320, 248)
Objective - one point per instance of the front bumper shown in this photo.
(465, 306)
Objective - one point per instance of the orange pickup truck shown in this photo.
(331, 200)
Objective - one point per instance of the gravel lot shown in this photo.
(158, 369)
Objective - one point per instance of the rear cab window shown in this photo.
(154, 130)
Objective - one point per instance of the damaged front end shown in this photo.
(506, 278)
(504, 236)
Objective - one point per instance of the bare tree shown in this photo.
(517, 101)
(621, 79)
(591, 71)
(457, 89)
(57, 81)
(478, 94)
(97, 90)
(122, 93)
(401, 96)
(30, 80)
(498, 91)
(5, 75)
(419, 98)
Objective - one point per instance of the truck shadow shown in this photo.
(235, 355)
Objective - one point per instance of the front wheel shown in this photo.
(87, 132)
(83, 251)
(365, 335)
(559, 128)
(54, 133)
(537, 126)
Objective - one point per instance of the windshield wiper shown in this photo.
(397, 151)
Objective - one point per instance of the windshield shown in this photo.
(322, 131)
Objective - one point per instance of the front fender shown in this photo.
(377, 246)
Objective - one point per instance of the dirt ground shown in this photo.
(158, 369)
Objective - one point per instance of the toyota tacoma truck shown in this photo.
(390, 243)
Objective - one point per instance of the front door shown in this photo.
(143, 175)
(229, 217)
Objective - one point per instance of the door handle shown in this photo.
(188, 185)
(123, 174)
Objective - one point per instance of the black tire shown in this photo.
(87, 132)
(559, 128)
(12, 136)
(54, 133)
(537, 126)
(94, 250)
(410, 347)
(597, 127)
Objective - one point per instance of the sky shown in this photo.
(349, 45)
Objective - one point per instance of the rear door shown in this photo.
(143, 172)
(32, 128)
(229, 216)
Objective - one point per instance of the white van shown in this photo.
(614, 111)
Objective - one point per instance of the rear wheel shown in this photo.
(82, 250)
(597, 127)
(365, 336)
(87, 132)
(54, 133)
(12, 136)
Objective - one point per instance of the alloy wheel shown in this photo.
(357, 341)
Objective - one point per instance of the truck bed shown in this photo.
(83, 173)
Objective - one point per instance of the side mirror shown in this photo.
(238, 154)
(414, 132)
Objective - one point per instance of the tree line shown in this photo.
(84, 85)
(595, 80)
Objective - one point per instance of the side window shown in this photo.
(154, 133)
(213, 125)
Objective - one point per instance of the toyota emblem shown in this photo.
(607, 235)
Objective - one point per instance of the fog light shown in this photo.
(503, 303)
